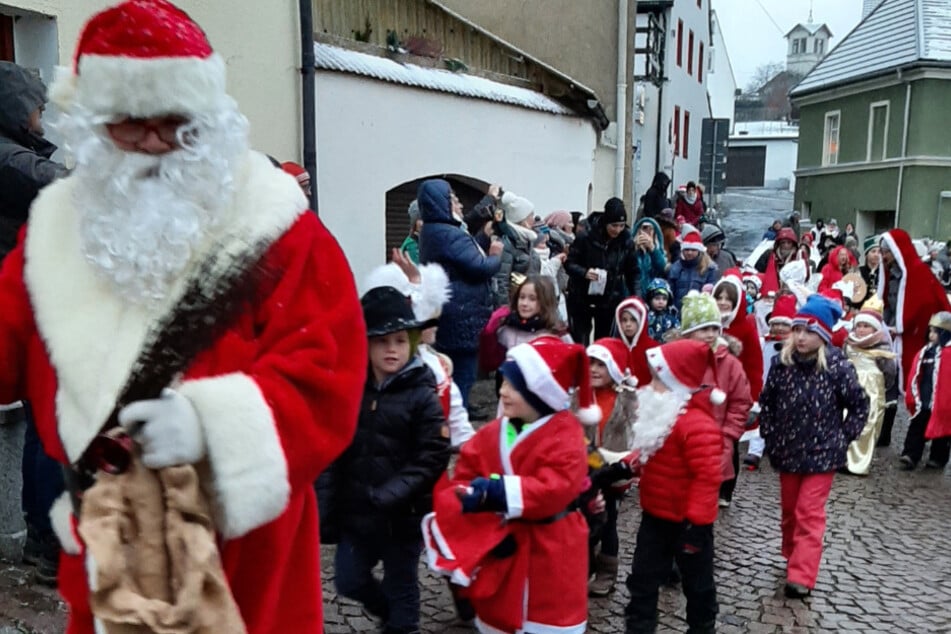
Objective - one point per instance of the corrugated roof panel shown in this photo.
(334, 58)
(896, 33)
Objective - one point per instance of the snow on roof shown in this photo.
(896, 33)
(760, 129)
(334, 58)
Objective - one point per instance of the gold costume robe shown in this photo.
(859, 456)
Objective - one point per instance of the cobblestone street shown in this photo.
(886, 565)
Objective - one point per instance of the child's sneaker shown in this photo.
(752, 462)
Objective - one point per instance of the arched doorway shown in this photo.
(469, 190)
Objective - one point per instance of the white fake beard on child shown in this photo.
(656, 415)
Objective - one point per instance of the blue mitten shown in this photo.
(485, 494)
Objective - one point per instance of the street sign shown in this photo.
(713, 150)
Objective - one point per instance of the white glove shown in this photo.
(167, 429)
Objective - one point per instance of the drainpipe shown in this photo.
(309, 97)
(620, 102)
(904, 148)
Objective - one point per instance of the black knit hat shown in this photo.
(387, 310)
(614, 211)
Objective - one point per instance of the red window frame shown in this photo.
(700, 64)
(676, 130)
(686, 131)
(690, 53)
(680, 42)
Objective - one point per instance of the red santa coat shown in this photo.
(732, 414)
(538, 588)
(939, 423)
(262, 391)
(742, 327)
(920, 295)
(831, 273)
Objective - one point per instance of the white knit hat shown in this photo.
(516, 208)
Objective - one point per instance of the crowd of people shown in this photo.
(195, 355)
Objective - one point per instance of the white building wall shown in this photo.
(721, 84)
(261, 49)
(781, 156)
(373, 136)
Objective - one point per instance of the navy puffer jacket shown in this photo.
(444, 241)
(802, 418)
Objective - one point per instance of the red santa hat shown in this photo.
(613, 354)
(690, 238)
(681, 366)
(142, 58)
(551, 369)
(784, 309)
(297, 171)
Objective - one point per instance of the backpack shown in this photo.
(491, 352)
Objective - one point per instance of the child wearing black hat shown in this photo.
(384, 480)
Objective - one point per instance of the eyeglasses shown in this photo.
(132, 130)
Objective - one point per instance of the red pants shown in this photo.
(804, 498)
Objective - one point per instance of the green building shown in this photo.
(875, 124)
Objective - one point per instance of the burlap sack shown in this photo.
(154, 563)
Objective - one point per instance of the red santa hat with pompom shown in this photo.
(551, 370)
(681, 366)
(142, 58)
(613, 354)
(690, 238)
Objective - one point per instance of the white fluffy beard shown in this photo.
(142, 217)
(656, 415)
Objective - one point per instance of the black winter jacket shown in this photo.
(384, 480)
(592, 249)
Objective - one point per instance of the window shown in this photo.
(690, 53)
(795, 46)
(830, 138)
(802, 45)
(680, 42)
(700, 64)
(699, 4)
(818, 46)
(877, 130)
(686, 131)
(676, 130)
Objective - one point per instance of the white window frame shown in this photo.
(827, 157)
(871, 122)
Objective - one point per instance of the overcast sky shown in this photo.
(753, 39)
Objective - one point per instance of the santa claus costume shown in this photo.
(515, 541)
(739, 324)
(918, 296)
(269, 402)
(678, 443)
(640, 343)
(927, 398)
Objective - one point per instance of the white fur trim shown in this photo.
(248, 466)
(61, 518)
(602, 354)
(111, 85)
(513, 496)
(658, 365)
(891, 245)
(427, 297)
(737, 285)
(590, 415)
(93, 336)
(717, 396)
(639, 309)
(871, 320)
(538, 376)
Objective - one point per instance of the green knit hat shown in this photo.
(698, 310)
(870, 243)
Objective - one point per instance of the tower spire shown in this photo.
(810, 11)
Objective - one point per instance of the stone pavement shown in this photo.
(886, 566)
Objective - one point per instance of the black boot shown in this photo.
(710, 627)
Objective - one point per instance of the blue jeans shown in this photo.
(396, 598)
(42, 483)
(465, 366)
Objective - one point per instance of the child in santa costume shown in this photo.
(679, 446)
(630, 319)
(812, 408)
(506, 527)
(780, 327)
(868, 348)
(739, 324)
(702, 322)
(427, 286)
(927, 398)
(615, 391)
(167, 196)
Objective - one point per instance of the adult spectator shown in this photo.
(840, 263)
(714, 241)
(443, 240)
(817, 230)
(602, 271)
(410, 246)
(911, 294)
(694, 270)
(690, 205)
(770, 234)
(518, 238)
(831, 237)
(25, 168)
(655, 199)
(649, 252)
(785, 250)
(793, 222)
(562, 231)
(668, 227)
(176, 259)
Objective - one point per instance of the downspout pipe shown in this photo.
(904, 148)
(309, 97)
(620, 102)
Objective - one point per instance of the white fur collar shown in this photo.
(92, 336)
